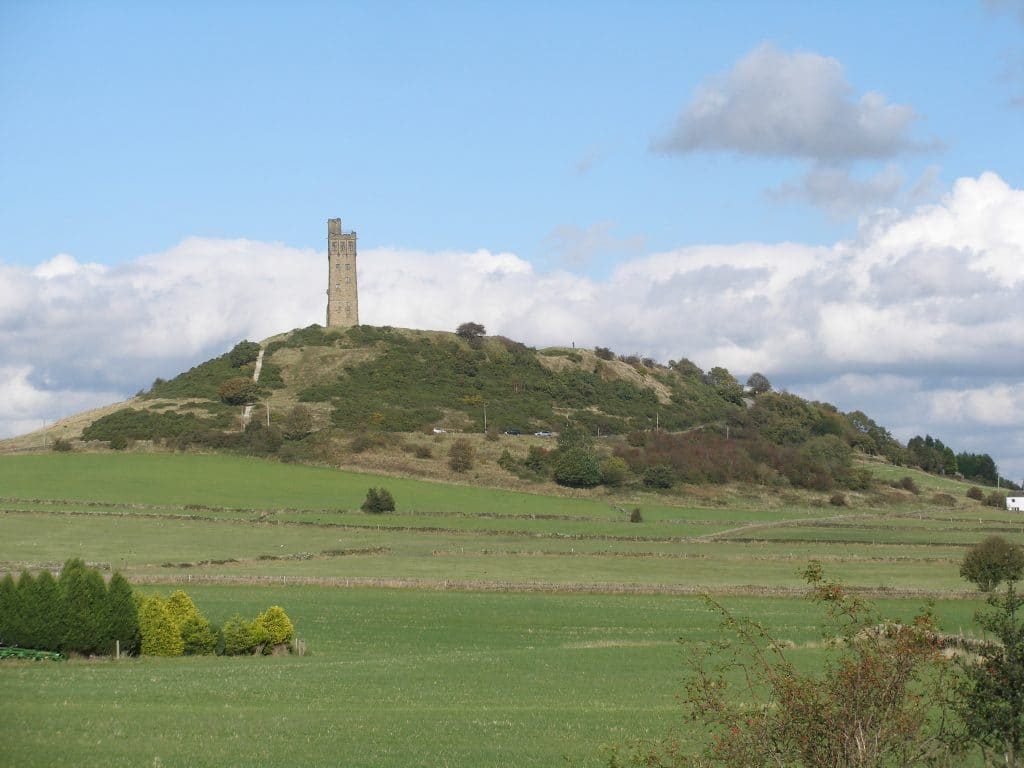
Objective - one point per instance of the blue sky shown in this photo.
(559, 149)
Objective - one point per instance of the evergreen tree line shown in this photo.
(77, 612)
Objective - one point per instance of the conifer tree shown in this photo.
(238, 636)
(31, 633)
(123, 616)
(181, 607)
(276, 624)
(49, 610)
(10, 611)
(160, 634)
(84, 596)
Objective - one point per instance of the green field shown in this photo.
(515, 641)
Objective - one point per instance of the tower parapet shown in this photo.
(342, 288)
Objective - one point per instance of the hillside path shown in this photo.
(247, 410)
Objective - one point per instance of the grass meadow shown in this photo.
(531, 630)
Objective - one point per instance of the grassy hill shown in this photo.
(391, 401)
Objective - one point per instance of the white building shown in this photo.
(1015, 503)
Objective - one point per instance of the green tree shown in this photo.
(577, 468)
(197, 636)
(47, 613)
(276, 625)
(470, 331)
(378, 500)
(614, 471)
(991, 702)
(238, 636)
(991, 562)
(160, 633)
(11, 614)
(243, 352)
(758, 384)
(574, 436)
(725, 384)
(123, 615)
(238, 391)
(84, 597)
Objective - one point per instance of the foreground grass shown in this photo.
(398, 678)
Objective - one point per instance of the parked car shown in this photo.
(542, 434)
(513, 432)
(439, 431)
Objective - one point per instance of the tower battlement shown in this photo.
(342, 287)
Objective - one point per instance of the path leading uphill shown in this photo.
(247, 410)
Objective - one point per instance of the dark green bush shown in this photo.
(974, 492)
(61, 445)
(577, 468)
(238, 391)
(378, 500)
(119, 442)
(659, 476)
(244, 352)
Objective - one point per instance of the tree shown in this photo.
(470, 331)
(244, 352)
(991, 562)
(613, 471)
(991, 702)
(197, 636)
(123, 621)
(276, 625)
(461, 455)
(296, 423)
(11, 613)
(43, 612)
(574, 436)
(725, 384)
(577, 468)
(238, 391)
(758, 384)
(84, 598)
(378, 500)
(238, 636)
(160, 633)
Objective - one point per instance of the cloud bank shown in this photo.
(918, 321)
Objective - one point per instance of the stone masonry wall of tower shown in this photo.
(342, 288)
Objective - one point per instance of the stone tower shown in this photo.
(342, 289)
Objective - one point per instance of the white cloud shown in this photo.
(775, 103)
(890, 323)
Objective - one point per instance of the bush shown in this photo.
(378, 500)
(996, 499)
(243, 352)
(423, 452)
(296, 423)
(61, 445)
(907, 484)
(239, 637)
(614, 471)
(238, 391)
(197, 636)
(577, 468)
(118, 442)
(635, 516)
(974, 492)
(658, 476)
(943, 500)
(470, 331)
(160, 633)
(991, 562)
(461, 455)
(276, 625)
(837, 500)
(637, 438)
(604, 353)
